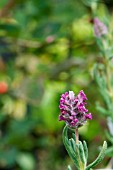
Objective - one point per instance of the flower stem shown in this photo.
(77, 135)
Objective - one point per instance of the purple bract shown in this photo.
(73, 110)
(99, 28)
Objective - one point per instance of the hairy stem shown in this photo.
(77, 135)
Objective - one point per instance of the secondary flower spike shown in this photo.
(99, 28)
(73, 110)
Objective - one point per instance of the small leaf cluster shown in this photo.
(78, 152)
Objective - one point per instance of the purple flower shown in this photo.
(88, 116)
(99, 28)
(73, 110)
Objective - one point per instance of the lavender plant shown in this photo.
(103, 76)
(75, 115)
(103, 71)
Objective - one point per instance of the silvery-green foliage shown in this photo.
(108, 111)
(109, 135)
(79, 152)
(110, 125)
(101, 82)
(103, 78)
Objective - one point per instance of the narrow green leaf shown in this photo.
(101, 81)
(72, 143)
(99, 158)
(69, 167)
(71, 153)
(74, 137)
(110, 138)
(102, 110)
(85, 149)
(64, 133)
(69, 149)
(109, 151)
(81, 152)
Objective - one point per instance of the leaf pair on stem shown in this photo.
(78, 152)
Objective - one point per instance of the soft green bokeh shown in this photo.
(46, 48)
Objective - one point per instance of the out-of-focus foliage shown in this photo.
(103, 72)
(46, 48)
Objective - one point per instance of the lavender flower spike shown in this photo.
(73, 110)
(99, 28)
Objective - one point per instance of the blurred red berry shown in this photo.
(3, 87)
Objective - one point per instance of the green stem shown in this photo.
(77, 136)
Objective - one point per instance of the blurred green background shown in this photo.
(46, 48)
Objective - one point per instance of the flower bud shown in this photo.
(73, 110)
(99, 28)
